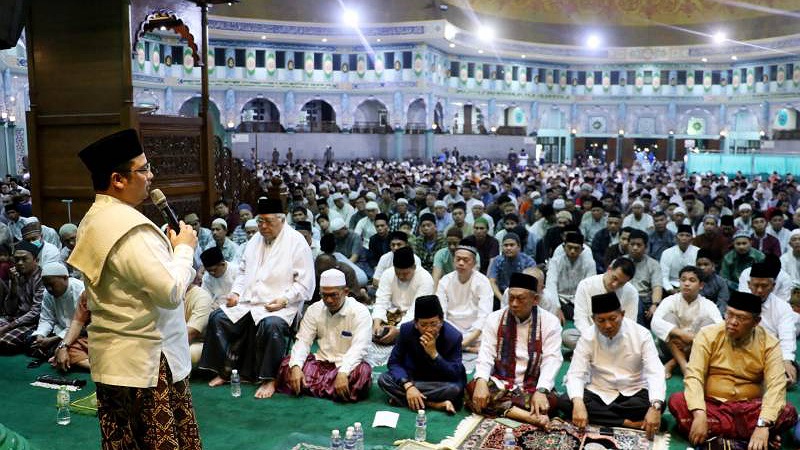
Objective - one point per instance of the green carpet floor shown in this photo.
(229, 423)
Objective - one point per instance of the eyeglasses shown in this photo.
(147, 168)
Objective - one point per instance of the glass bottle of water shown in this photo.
(62, 402)
(358, 433)
(236, 384)
(509, 441)
(421, 430)
(336, 440)
(349, 439)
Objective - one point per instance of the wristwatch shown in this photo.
(542, 390)
(762, 423)
(62, 344)
(657, 404)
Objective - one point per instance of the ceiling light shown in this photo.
(734, 57)
(450, 32)
(324, 39)
(480, 51)
(485, 33)
(378, 40)
(593, 41)
(719, 37)
(523, 56)
(163, 28)
(263, 36)
(704, 60)
(350, 18)
(452, 45)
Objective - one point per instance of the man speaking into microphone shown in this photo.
(136, 278)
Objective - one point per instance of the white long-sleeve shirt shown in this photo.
(343, 338)
(673, 260)
(395, 295)
(565, 276)
(783, 237)
(219, 288)
(57, 312)
(624, 364)
(675, 312)
(282, 269)
(791, 265)
(777, 318)
(645, 223)
(466, 305)
(551, 358)
(628, 299)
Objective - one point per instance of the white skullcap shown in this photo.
(637, 203)
(439, 203)
(220, 222)
(402, 200)
(332, 278)
(559, 203)
(336, 224)
(372, 205)
(33, 219)
(54, 269)
(745, 207)
(353, 195)
(371, 196)
(564, 215)
(251, 224)
(679, 209)
(795, 232)
(478, 203)
(337, 196)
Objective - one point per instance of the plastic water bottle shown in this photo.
(336, 440)
(349, 439)
(509, 441)
(421, 431)
(62, 402)
(358, 433)
(236, 384)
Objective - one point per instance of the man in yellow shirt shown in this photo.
(735, 385)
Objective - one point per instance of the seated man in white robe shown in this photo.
(680, 316)
(275, 277)
(615, 279)
(32, 232)
(615, 377)
(218, 277)
(466, 297)
(564, 271)
(397, 239)
(58, 306)
(394, 302)
(341, 326)
(519, 358)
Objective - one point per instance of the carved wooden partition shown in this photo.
(234, 182)
(180, 169)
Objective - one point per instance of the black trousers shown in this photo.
(255, 351)
(434, 391)
(632, 408)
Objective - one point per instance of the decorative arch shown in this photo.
(553, 118)
(438, 118)
(191, 108)
(318, 116)
(260, 115)
(416, 116)
(744, 120)
(371, 116)
(169, 19)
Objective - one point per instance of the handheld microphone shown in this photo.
(160, 200)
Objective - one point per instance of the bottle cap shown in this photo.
(349, 434)
(234, 371)
(421, 411)
(335, 433)
(357, 424)
(350, 429)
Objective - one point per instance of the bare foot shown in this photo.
(217, 381)
(668, 368)
(266, 390)
(446, 406)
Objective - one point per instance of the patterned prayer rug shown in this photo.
(487, 434)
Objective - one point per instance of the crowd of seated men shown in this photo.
(433, 270)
